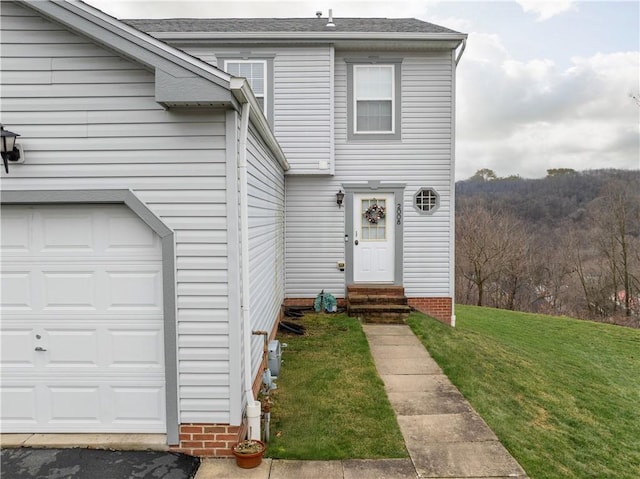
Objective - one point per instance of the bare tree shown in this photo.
(614, 215)
(492, 252)
(553, 269)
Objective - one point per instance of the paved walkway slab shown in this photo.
(228, 469)
(425, 403)
(445, 428)
(404, 366)
(464, 459)
(387, 330)
(412, 351)
(393, 340)
(395, 383)
(306, 470)
(379, 469)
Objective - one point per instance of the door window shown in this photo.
(374, 219)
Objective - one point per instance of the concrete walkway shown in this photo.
(445, 437)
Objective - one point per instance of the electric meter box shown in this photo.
(275, 357)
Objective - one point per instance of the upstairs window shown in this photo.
(373, 103)
(373, 96)
(255, 71)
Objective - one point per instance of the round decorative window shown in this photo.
(426, 200)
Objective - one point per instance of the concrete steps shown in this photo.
(380, 304)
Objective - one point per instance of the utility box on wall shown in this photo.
(274, 357)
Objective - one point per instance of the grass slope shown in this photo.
(330, 402)
(562, 395)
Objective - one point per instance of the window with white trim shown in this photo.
(255, 71)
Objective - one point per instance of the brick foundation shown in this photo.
(208, 440)
(439, 308)
(216, 440)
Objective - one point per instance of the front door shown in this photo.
(373, 238)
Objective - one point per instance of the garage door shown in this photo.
(82, 328)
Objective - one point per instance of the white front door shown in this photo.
(373, 238)
(82, 321)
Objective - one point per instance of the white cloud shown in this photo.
(525, 117)
(546, 9)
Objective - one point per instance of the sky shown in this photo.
(542, 84)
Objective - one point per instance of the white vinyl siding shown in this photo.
(302, 100)
(89, 120)
(315, 225)
(266, 242)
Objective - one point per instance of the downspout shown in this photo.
(452, 240)
(253, 406)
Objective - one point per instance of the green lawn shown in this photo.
(330, 402)
(562, 395)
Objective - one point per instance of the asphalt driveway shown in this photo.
(29, 463)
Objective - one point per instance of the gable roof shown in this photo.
(368, 33)
(362, 25)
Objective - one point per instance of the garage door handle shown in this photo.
(40, 348)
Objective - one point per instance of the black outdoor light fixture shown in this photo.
(339, 198)
(8, 145)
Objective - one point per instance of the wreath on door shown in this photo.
(374, 213)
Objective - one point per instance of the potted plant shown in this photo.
(248, 453)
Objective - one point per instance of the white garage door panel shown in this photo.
(83, 406)
(82, 329)
(130, 345)
(133, 288)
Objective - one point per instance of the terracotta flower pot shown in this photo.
(248, 453)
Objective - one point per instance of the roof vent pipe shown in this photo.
(331, 24)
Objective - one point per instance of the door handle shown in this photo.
(40, 348)
(356, 242)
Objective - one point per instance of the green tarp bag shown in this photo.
(325, 302)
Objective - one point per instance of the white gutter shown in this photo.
(304, 36)
(253, 406)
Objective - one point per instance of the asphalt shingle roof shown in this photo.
(284, 25)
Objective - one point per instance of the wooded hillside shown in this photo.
(565, 244)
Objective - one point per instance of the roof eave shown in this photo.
(310, 36)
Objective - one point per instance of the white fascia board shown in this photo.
(319, 36)
(445, 41)
(244, 94)
(126, 40)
